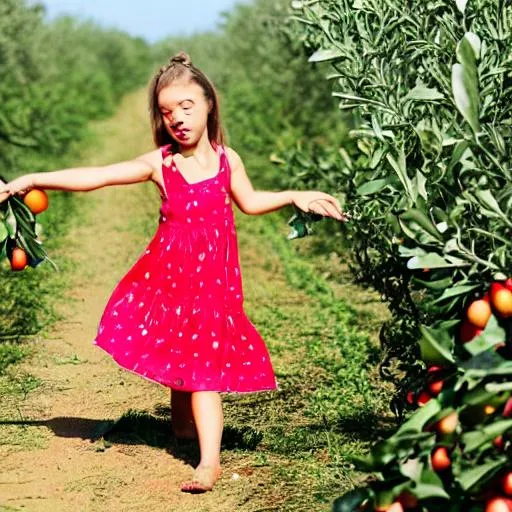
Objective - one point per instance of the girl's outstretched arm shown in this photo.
(257, 202)
(85, 178)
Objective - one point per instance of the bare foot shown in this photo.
(203, 480)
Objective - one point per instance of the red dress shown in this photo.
(177, 316)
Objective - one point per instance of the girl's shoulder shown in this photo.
(233, 157)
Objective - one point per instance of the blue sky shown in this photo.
(151, 19)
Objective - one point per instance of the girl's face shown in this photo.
(185, 111)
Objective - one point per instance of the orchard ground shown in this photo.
(79, 432)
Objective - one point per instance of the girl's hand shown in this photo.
(320, 203)
(19, 186)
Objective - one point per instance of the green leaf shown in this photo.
(325, 54)
(465, 82)
(435, 346)
(419, 418)
(429, 486)
(10, 221)
(455, 291)
(417, 216)
(351, 500)
(424, 93)
(399, 167)
(4, 232)
(476, 438)
(461, 5)
(487, 200)
(469, 478)
(491, 335)
(429, 260)
(372, 187)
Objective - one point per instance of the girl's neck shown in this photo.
(202, 149)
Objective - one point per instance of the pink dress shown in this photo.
(177, 316)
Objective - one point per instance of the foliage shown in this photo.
(430, 85)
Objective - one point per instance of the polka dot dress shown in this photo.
(177, 316)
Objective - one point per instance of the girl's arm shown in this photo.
(257, 202)
(86, 178)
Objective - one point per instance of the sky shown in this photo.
(151, 19)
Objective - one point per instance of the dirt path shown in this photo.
(53, 464)
(280, 452)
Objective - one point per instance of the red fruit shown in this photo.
(408, 500)
(410, 397)
(448, 424)
(434, 369)
(436, 387)
(440, 459)
(508, 284)
(506, 483)
(18, 259)
(468, 331)
(479, 312)
(498, 504)
(498, 443)
(423, 398)
(507, 410)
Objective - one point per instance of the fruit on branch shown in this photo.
(468, 331)
(18, 259)
(498, 504)
(479, 312)
(501, 299)
(507, 410)
(448, 424)
(396, 506)
(423, 398)
(440, 459)
(435, 387)
(498, 443)
(36, 200)
(506, 483)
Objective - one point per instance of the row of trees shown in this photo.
(55, 77)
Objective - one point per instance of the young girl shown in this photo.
(177, 316)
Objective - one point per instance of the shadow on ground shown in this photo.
(142, 427)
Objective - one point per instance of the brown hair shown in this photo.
(180, 66)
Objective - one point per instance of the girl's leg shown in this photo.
(182, 419)
(207, 412)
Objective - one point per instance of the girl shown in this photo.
(177, 316)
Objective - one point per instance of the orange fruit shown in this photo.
(489, 409)
(395, 507)
(18, 259)
(478, 313)
(435, 387)
(506, 483)
(36, 200)
(498, 504)
(502, 302)
(448, 424)
(440, 459)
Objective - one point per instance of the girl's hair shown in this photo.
(180, 66)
